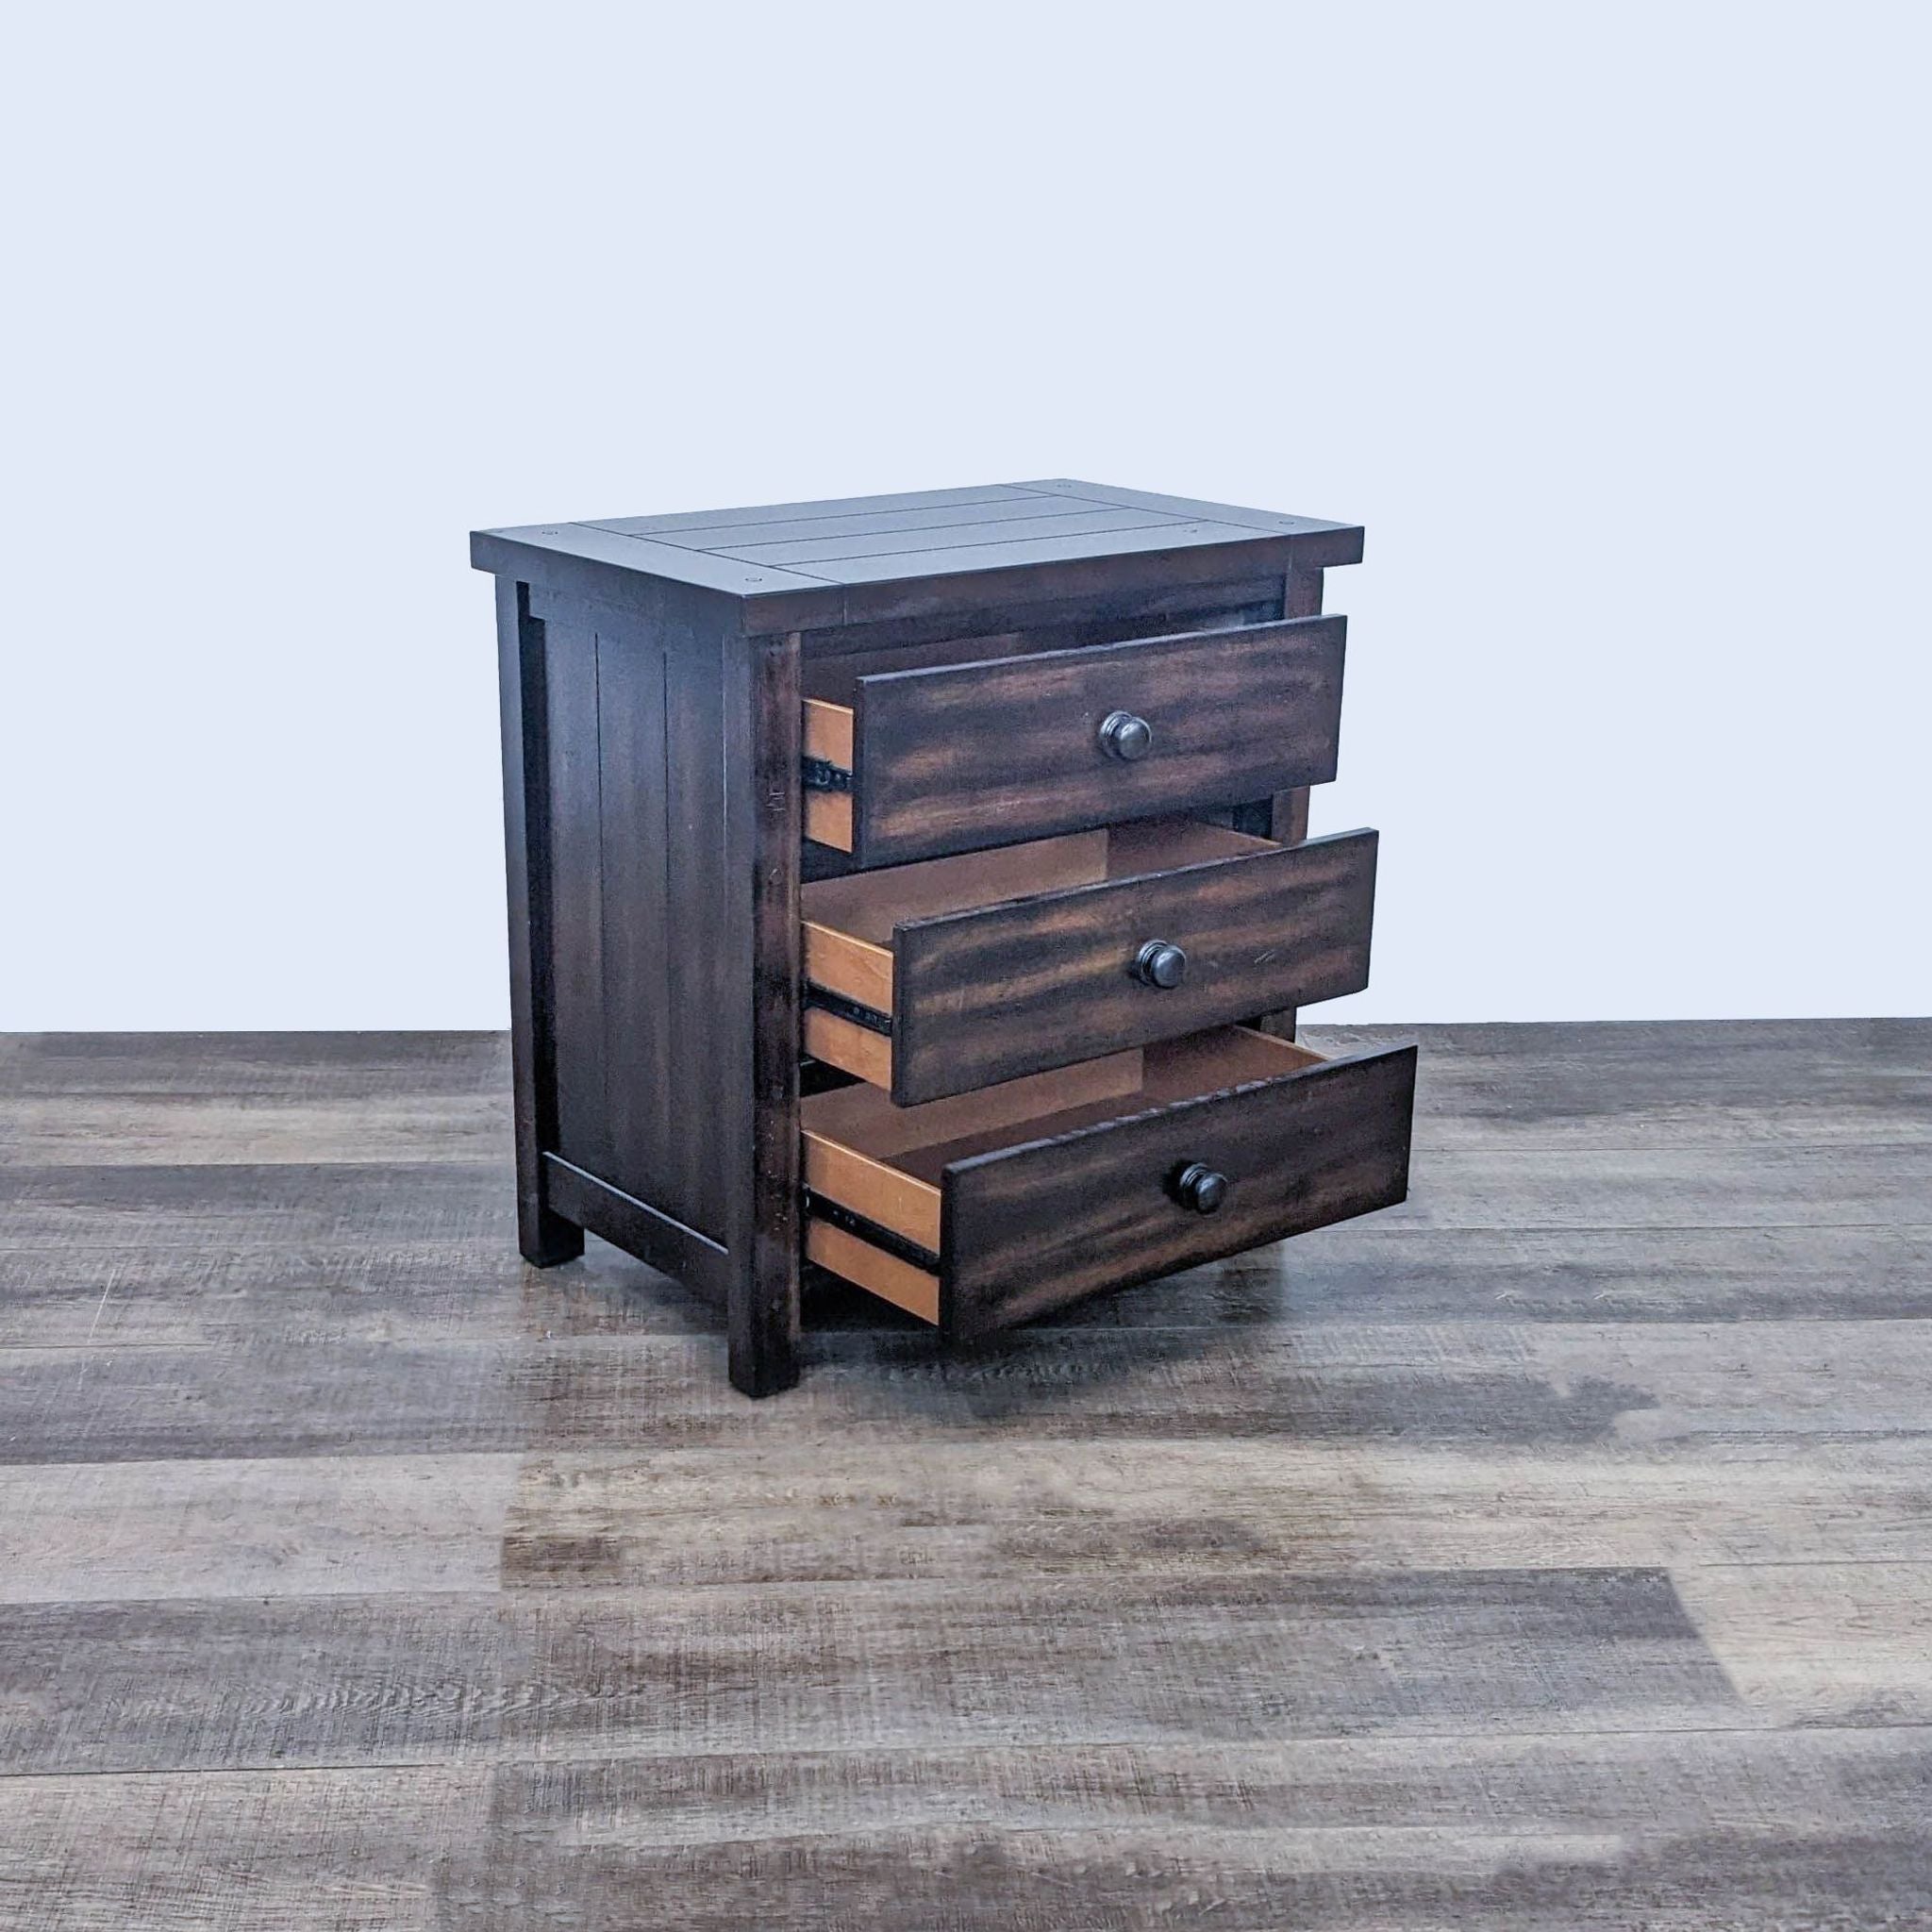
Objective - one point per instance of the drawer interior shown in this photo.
(874, 1169)
(849, 920)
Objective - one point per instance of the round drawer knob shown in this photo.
(1158, 963)
(1200, 1187)
(1126, 737)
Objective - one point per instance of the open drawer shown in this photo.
(935, 978)
(951, 758)
(984, 1209)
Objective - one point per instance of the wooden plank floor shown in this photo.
(1555, 1551)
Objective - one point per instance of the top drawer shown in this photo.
(929, 761)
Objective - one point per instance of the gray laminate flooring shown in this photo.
(1555, 1551)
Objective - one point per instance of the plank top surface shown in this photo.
(1553, 1551)
(818, 563)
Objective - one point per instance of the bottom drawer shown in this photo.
(983, 1209)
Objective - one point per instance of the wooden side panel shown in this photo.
(987, 995)
(993, 752)
(638, 796)
(1031, 1228)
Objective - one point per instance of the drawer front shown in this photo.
(970, 754)
(1026, 1228)
(990, 994)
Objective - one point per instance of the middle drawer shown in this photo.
(936, 978)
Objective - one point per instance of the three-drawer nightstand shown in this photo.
(920, 885)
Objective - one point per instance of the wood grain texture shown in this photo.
(854, 968)
(1552, 1552)
(827, 733)
(827, 820)
(876, 1190)
(879, 559)
(1440, 1380)
(109, 1099)
(868, 905)
(756, 1047)
(1350, 1835)
(993, 752)
(130, 1404)
(638, 900)
(1330, 544)
(1089, 1660)
(94, 1531)
(1723, 1085)
(840, 1043)
(913, 1137)
(653, 749)
(1017, 1503)
(907, 510)
(1514, 1383)
(987, 995)
(837, 654)
(916, 552)
(262, 1851)
(239, 1682)
(573, 872)
(1141, 562)
(1032, 1226)
(914, 1289)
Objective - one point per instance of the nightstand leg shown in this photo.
(763, 726)
(544, 1238)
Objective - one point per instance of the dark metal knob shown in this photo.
(1126, 737)
(1157, 963)
(1199, 1186)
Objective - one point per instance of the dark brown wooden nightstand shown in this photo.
(920, 884)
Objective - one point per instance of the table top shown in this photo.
(837, 560)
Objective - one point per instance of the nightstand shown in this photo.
(920, 885)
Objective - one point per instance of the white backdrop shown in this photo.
(1610, 323)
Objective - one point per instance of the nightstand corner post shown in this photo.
(763, 726)
(545, 1238)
